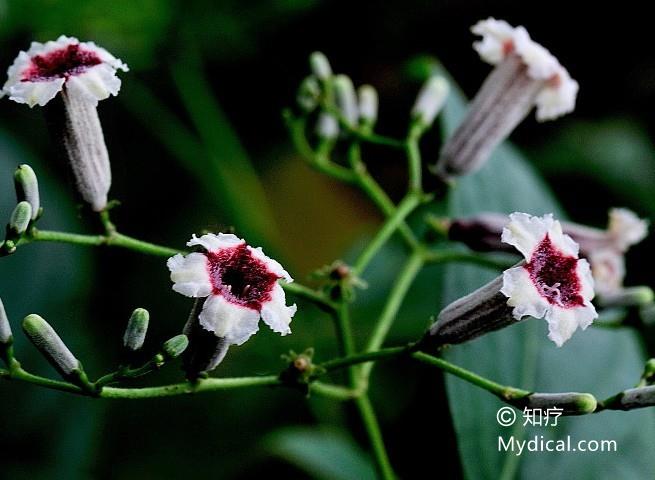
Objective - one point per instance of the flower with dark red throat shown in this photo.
(526, 75)
(84, 74)
(239, 283)
(605, 249)
(551, 283)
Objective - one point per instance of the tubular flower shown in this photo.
(84, 74)
(525, 75)
(604, 249)
(553, 283)
(240, 284)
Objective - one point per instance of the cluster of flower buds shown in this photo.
(300, 370)
(358, 108)
(605, 249)
(27, 211)
(552, 282)
(82, 74)
(235, 285)
(525, 75)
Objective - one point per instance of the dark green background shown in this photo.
(197, 141)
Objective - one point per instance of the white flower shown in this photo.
(525, 75)
(37, 75)
(240, 283)
(553, 283)
(626, 228)
(500, 40)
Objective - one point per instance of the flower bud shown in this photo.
(368, 104)
(27, 188)
(346, 98)
(20, 218)
(5, 329)
(320, 66)
(572, 403)
(327, 127)
(308, 94)
(174, 347)
(137, 327)
(482, 311)
(430, 100)
(46, 340)
(626, 297)
(635, 398)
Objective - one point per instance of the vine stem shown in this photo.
(398, 292)
(372, 427)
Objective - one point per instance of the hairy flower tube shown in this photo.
(239, 285)
(525, 75)
(551, 283)
(604, 249)
(84, 74)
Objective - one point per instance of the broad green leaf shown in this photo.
(597, 361)
(324, 454)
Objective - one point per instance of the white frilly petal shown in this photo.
(563, 322)
(522, 294)
(587, 284)
(526, 231)
(558, 97)
(215, 242)
(495, 34)
(227, 320)
(626, 228)
(98, 81)
(275, 312)
(189, 275)
(273, 265)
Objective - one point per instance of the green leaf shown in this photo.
(597, 361)
(324, 454)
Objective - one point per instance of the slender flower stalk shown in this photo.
(525, 75)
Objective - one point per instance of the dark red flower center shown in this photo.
(61, 63)
(555, 275)
(240, 278)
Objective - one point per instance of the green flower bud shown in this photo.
(572, 403)
(175, 346)
(308, 94)
(346, 98)
(137, 327)
(20, 218)
(27, 188)
(320, 66)
(46, 340)
(5, 328)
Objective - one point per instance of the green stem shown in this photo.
(414, 159)
(406, 206)
(333, 391)
(501, 391)
(377, 195)
(22, 375)
(344, 362)
(372, 428)
(396, 297)
(309, 294)
(113, 240)
(186, 388)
